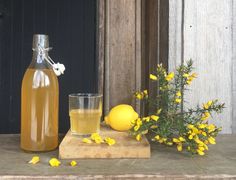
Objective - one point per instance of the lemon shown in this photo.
(120, 117)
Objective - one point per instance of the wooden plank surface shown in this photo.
(120, 51)
(72, 147)
(208, 41)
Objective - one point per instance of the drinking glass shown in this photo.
(85, 111)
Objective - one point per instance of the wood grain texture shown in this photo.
(121, 53)
(100, 43)
(208, 41)
(234, 66)
(72, 147)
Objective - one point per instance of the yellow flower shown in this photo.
(170, 76)
(138, 137)
(136, 128)
(176, 140)
(179, 147)
(34, 160)
(198, 141)
(178, 100)
(86, 140)
(205, 116)
(154, 117)
(154, 127)
(139, 96)
(160, 140)
(189, 148)
(153, 77)
(139, 122)
(185, 75)
(194, 75)
(159, 111)
(190, 126)
(181, 139)
(145, 92)
(73, 163)
(98, 140)
(54, 162)
(110, 141)
(147, 119)
(211, 140)
(94, 135)
(211, 128)
(157, 137)
(195, 130)
(178, 94)
(190, 136)
(204, 133)
(201, 153)
(206, 142)
(188, 82)
(202, 126)
(205, 146)
(201, 148)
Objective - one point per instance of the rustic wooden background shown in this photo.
(138, 34)
(205, 31)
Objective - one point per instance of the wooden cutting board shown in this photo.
(72, 147)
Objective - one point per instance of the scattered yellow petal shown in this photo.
(54, 162)
(98, 140)
(73, 163)
(34, 160)
(154, 117)
(86, 140)
(153, 77)
(94, 135)
(110, 141)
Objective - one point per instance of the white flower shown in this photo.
(58, 68)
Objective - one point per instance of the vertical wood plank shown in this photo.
(100, 43)
(234, 66)
(208, 41)
(120, 52)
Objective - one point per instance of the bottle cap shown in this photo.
(40, 40)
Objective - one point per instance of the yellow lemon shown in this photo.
(120, 117)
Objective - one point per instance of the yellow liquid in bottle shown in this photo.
(84, 122)
(39, 110)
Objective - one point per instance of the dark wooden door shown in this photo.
(71, 26)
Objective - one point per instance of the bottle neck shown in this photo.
(38, 60)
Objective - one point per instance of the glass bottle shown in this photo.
(39, 101)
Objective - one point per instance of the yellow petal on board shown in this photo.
(34, 160)
(86, 140)
(73, 163)
(110, 141)
(54, 162)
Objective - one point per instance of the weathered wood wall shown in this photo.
(122, 51)
(205, 31)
